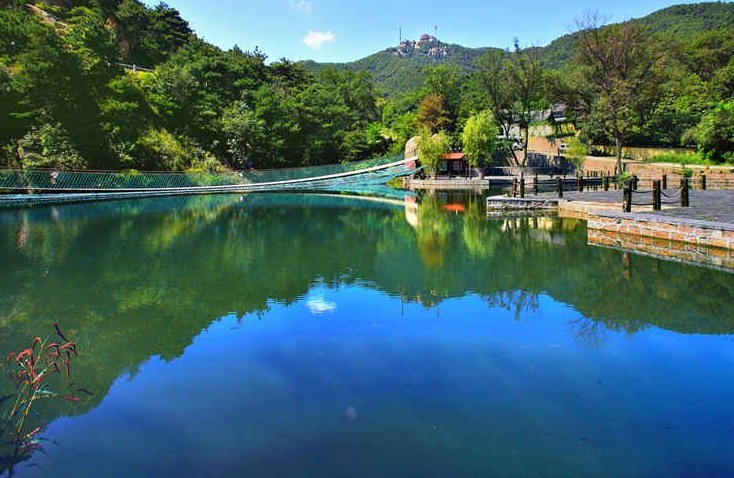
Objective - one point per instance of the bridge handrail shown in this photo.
(246, 186)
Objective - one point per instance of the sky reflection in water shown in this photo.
(312, 336)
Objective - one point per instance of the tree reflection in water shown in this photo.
(136, 279)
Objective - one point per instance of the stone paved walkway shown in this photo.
(712, 206)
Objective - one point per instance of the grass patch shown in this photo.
(686, 158)
(680, 158)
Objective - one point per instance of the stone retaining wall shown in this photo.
(475, 183)
(666, 249)
(690, 231)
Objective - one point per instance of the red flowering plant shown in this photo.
(30, 372)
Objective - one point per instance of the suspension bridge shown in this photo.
(53, 187)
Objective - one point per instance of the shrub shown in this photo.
(715, 133)
(48, 146)
(479, 137)
(432, 147)
(158, 149)
(677, 158)
(576, 151)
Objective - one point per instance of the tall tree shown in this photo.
(492, 73)
(479, 137)
(432, 148)
(445, 81)
(432, 113)
(619, 65)
(526, 89)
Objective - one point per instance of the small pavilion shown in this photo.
(453, 164)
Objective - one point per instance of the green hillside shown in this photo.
(68, 100)
(395, 75)
(679, 22)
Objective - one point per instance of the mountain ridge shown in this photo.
(397, 74)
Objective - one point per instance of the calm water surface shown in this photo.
(312, 336)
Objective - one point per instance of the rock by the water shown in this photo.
(411, 147)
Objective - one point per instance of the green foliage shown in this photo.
(444, 81)
(48, 146)
(576, 151)
(479, 137)
(715, 133)
(674, 24)
(398, 75)
(243, 129)
(200, 102)
(233, 106)
(494, 83)
(525, 78)
(150, 36)
(90, 40)
(161, 150)
(433, 114)
(678, 158)
(432, 147)
(480, 238)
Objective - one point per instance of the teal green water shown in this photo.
(297, 335)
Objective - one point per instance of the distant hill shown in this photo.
(679, 21)
(399, 70)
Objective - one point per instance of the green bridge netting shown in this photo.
(312, 177)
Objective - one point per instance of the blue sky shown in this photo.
(346, 30)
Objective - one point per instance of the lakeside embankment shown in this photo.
(701, 234)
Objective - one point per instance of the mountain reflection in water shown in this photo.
(140, 284)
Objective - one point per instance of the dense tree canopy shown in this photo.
(65, 101)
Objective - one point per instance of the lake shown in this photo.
(313, 335)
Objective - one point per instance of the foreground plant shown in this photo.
(30, 372)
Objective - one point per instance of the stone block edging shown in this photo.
(685, 230)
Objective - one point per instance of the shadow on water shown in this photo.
(136, 279)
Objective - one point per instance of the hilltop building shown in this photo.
(425, 45)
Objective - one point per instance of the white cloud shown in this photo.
(302, 5)
(315, 40)
(317, 305)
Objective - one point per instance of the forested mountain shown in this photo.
(396, 75)
(400, 70)
(678, 23)
(67, 100)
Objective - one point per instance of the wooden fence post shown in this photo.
(627, 198)
(536, 188)
(522, 186)
(703, 182)
(665, 182)
(606, 183)
(559, 187)
(684, 199)
(656, 196)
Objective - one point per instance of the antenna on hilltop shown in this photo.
(401, 36)
(435, 31)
